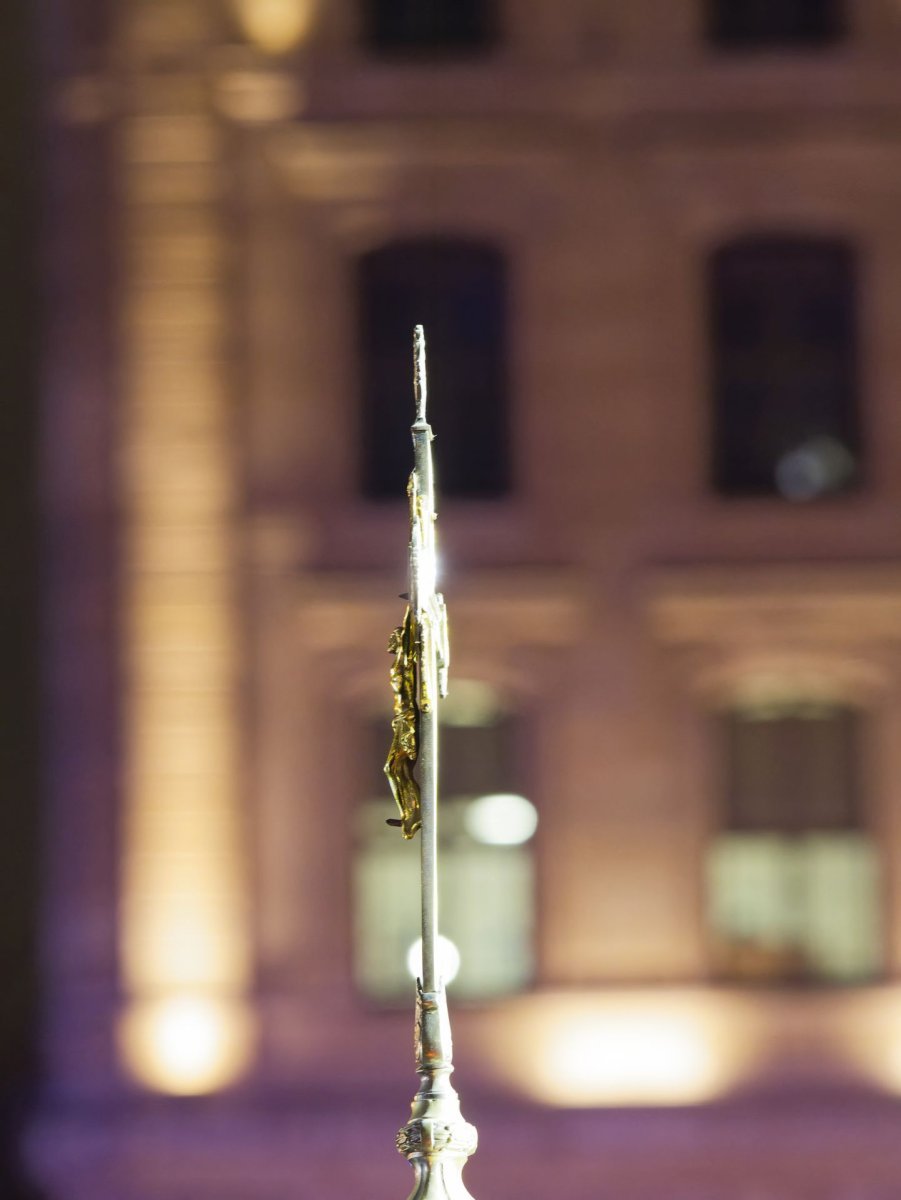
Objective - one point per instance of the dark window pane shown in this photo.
(457, 291)
(433, 26)
(753, 24)
(794, 772)
(782, 326)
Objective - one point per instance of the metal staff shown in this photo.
(436, 1140)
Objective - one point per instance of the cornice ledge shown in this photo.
(847, 604)
(520, 607)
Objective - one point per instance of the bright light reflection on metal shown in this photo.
(428, 571)
(502, 819)
(448, 959)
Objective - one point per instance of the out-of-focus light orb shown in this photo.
(816, 467)
(187, 1045)
(276, 26)
(501, 819)
(448, 959)
(470, 702)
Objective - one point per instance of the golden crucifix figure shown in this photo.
(404, 727)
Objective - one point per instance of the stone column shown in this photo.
(184, 935)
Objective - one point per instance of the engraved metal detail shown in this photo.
(426, 1137)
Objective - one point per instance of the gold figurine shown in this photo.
(404, 727)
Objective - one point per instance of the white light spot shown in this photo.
(448, 959)
(502, 819)
(816, 467)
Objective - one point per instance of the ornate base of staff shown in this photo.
(436, 1140)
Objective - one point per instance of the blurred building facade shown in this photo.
(657, 252)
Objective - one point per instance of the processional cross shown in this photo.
(436, 1140)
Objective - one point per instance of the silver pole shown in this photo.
(428, 773)
(436, 1140)
(422, 572)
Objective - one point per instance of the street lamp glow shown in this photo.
(276, 26)
(501, 819)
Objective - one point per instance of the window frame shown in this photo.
(513, 722)
(795, 840)
(483, 39)
(721, 38)
(841, 428)
(489, 413)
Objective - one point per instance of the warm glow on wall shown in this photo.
(187, 1044)
(653, 1047)
(276, 26)
(185, 942)
(625, 1058)
(868, 1029)
(690, 1045)
(887, 1069)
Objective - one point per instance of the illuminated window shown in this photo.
(793, 876)
(784, 370)
(429, 26)
(486, 869)
(764, 24)
(457, 291)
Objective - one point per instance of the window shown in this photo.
(457, 291)
(784, 369)
(429, 26)
(762, 24)
(793, 878)
(486, 869)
